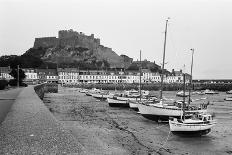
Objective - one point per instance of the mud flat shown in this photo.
(101, 129)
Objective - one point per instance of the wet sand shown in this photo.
(101, 129)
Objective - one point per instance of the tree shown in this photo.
(14, 74)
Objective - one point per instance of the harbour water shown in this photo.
(105, 130)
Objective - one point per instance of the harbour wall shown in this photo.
(156, 86)
(45, 88)
(30, 128)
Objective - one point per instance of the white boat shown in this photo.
(133, 95)
(117, 103)
(228, 98)
(200, 93)
(83, 90)
(161, 110)
(129, 98)
(210, 92)
(100, 96)
(134, 104)
(182, 94)
(229, 92)
(197, 125)
(92, 91)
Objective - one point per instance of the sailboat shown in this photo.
(143, 95)
(161, 110)
(196, 124)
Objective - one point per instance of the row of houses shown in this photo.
(72, 76)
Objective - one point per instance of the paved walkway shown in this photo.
(7, 98)
(30, 128)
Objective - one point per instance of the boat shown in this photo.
(161, 110)
(200, 93)
(193, 123)
(100, 95)
(117, 103)
(92, 91)
(132, 95)
(197, 125)
(83, 90)
(228, 98)
(182, 94)
(210, 92)
(134, 104)
(229, 92)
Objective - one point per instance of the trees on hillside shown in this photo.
(14, 74)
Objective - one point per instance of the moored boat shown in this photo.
(117, 103)
(182, 94)
(134, 104)
(92, 91)
(228, 98)
(229, 92)
(161, 110)
(197, 125)
(210, 92)
(83, 90)
(100, 96)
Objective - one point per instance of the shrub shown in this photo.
(13, 82)
(3, 84)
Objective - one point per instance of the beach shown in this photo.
(101, 129)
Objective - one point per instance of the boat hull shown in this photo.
(158, 113)
(228, 99)
(190, 129)
(88, 94)
(191, 133)
(134, 106)
(127, 98)
(182, 94)
(117, 103)
(100, 96)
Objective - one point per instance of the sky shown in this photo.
(128, 26)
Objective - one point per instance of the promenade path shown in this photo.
(30, 128)
(7, 98)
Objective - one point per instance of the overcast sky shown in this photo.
(128, 26)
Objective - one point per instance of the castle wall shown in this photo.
(67, 33)
(68, 37)
(81, 39)
(45, 42)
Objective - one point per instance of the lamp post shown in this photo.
(18, 76)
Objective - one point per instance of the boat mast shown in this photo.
(162, 73)
(140, 68)
(184, 90)
(191, 78)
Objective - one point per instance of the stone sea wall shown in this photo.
(45, 88)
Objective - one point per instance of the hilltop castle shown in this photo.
(68, 37)
(73, 39)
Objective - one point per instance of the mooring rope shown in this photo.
(165, 142)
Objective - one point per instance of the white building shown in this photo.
(68, 75)
(72, 76)
(4, 73)
(31, 75)
(177, 77)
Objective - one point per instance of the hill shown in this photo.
(72, 47)
(76, 50)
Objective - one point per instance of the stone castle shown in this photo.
(75, 39)
(68, 37)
